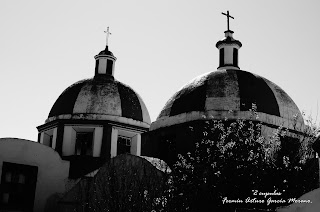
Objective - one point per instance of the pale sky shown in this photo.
(46, 46)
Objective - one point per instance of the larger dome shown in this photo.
(100, 98)
(229, 94)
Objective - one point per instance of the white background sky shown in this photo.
(45, 46)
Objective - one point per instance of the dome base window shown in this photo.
(48, 137)
(125, 141)
(124, 145)
(84, 143)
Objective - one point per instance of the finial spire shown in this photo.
(228, 16)
(107, 36)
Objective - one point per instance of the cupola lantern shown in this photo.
(228, 49)
(105, 61)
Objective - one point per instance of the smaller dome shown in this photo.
(100, 98)
(228, 40)
(106, 52)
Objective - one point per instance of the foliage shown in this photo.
(126, 183)
(232, 159)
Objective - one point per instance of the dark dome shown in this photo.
(100, 98)
(228, 40)
(229, 93)
(106, 52)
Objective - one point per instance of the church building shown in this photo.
(95, 119)
(99, 118)
(92, 121)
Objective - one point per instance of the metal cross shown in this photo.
(228, 16)
(108, 33)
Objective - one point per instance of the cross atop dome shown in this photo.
(228, 16)
(107, 35)
(105, 61)
(228, 48)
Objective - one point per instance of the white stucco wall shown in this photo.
(69, 141)
(54, 139)
(97, 141)
(52, 171)
(114, 139)
(136, 145)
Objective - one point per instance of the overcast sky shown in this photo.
(160, 46)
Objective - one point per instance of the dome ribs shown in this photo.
(254, 89)
(192, 98)
(100, 98)
(229, 93)
(222, 91)
(66, 101)
(130, 104)
(217, 86)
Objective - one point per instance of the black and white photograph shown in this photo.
(159, 106)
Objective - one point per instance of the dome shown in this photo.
(228, 40)
(229, 93)
(106, 52)
(100, 98)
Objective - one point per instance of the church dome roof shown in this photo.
(229, 93)
(100, 98)
(228, 40)
(106, 52)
